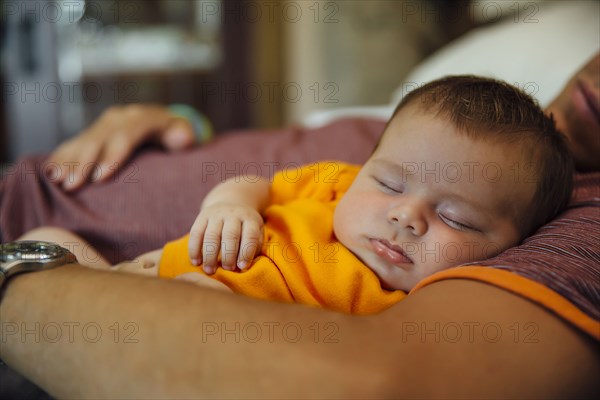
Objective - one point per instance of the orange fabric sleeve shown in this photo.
(318, 181)
(300, 261)
(337, 281)
(524, 287)
(261, 280)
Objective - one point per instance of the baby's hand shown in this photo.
(232, 230)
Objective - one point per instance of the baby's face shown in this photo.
(430, 198)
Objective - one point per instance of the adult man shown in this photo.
(452, 338)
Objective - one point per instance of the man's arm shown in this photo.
(125, 336)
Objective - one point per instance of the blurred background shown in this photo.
(244, 63)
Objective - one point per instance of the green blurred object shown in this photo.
(203, 129)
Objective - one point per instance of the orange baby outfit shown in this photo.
(301, 260)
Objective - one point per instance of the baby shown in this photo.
(466, 168)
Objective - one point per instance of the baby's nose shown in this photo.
(409, 216)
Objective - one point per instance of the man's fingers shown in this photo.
(72, 163)
(115, 154)
(178, 135)
(55, 171)
(102, 149)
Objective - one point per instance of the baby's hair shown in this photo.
(494, 111)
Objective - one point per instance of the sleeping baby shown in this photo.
(465, 168)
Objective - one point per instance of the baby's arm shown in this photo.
(230, 224)
(145, 264)
(148, 263)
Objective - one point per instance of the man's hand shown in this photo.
(113, 137)
(235, 231)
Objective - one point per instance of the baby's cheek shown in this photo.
(481, 251)
(340, 223)
(347, 221)
(453, 250)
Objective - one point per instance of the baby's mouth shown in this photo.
(390, 252)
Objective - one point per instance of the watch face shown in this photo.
(30, 250)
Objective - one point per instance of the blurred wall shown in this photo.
(351, 53)
(348, 53)
(272, 63)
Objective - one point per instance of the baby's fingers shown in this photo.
(211, 245)
(230, 243)
(196, 239)
(251, 243)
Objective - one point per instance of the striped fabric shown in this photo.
(558, 267)
(564, 255)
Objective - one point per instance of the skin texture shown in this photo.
(168, 350)
(577, 114)
(230, 219)
(113, 137)
(416, 208)
(403, 224)
(373, 357)
(411, 350)
(145, 264)
(403, 221)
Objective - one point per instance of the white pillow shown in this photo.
(538, 57)
(539, 54)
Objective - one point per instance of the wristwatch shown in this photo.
(29, 256)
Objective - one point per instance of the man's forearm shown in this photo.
(83, 333)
